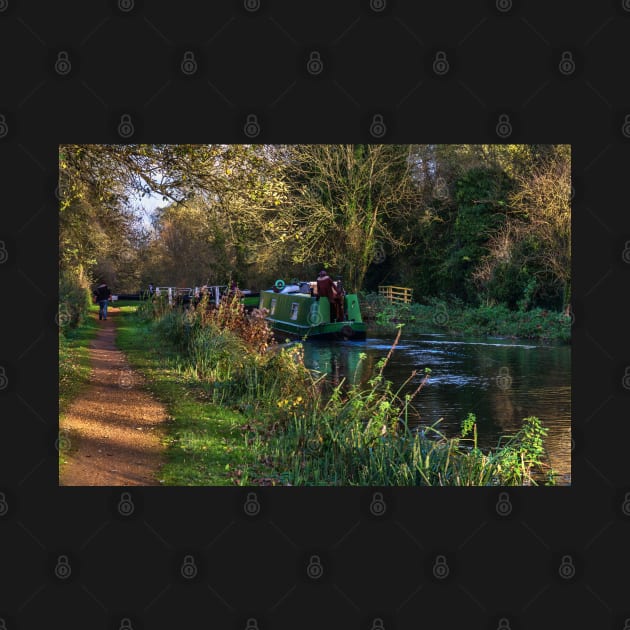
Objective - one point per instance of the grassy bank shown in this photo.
(74, 359)
(203, 440)
(457, 319)
(363, 437)
(248, 412)
(74, 369)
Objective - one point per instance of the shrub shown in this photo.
(74, 299)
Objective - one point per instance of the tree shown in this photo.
(188, 247)
(537, 233)
(342, 203)
(98, 184)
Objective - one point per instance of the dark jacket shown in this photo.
(102, 293)
(326, 288)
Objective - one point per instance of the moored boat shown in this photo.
(294, 311)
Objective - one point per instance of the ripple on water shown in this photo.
(480, 343)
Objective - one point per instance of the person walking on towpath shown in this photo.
(101, 296)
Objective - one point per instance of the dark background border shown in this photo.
(556, 557)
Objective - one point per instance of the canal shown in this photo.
(500, 381)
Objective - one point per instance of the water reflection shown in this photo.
(500, 381)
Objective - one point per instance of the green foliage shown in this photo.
(74, 299)
(452, 315)
(298, 431)
(468, 423)
(202, 439)
(362, 437)
(473, 221)
(74, 360)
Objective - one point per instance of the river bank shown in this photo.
(455, 318)
(501, 381)
(246, 414)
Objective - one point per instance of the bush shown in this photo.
(74, 299)
(232, 354)
(451, 315)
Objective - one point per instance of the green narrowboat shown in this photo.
(295, 312)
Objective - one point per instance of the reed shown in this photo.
(300, 431)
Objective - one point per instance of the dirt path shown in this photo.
(114, 426)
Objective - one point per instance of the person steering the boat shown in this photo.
(326, 288)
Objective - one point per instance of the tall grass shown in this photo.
(362, 437)
(232, 355)
(301, 431)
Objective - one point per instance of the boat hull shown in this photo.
(300, 315)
